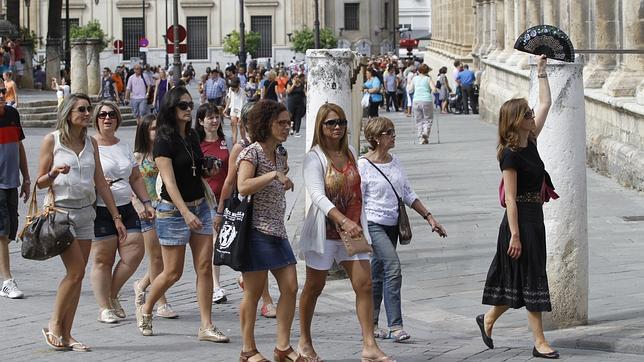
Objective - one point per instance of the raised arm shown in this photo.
(545, 101)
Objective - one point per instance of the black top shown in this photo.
(179, 150)
(297, 93)
(528, 165)
(270, 92)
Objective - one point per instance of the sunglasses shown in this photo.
(3, 90)
(332, 123)
(184, 106)
(389, 132)
(84, 109)
(529, 114)
(103, 115)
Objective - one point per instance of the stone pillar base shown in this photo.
(622, 83)
(515, 58)
(640, 93)
(595, 77)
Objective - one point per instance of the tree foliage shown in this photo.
(231, 43)
(90, 31)
(305, 39)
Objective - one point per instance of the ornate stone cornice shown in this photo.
(260, 3)
(130, 4)
(197, 4)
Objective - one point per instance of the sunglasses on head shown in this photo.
(184, 106)
(84, 109)
(103, 115)
(332, 123)
(389, 132)
(529, 114)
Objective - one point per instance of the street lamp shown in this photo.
(242, 35)
(27, 3)
(144, 57)
(289, 36)
(316, 25)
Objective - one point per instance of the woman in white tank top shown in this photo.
(69, 163)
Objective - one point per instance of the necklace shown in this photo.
(192, 157)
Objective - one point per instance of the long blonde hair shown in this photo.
(318, 135)
(511, 115)
(63, 123)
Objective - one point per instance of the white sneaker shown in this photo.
(219, 296)
(10, 290)
(107, 316)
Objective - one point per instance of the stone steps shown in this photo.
(45, 115)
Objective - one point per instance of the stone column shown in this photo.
(550, 12)
(499, 31)
(533, 12)
(566, 218)
(54, 55)
(491, 16)
(508, 31)
(93, 66)
(79, 66)
(27, 55)
(579, 23)
(624, 81)
(639, 93)
(329, 80)
(485, 29)
(600, 66)
(477, 28)
(518, 58)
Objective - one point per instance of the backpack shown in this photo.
(438, 84)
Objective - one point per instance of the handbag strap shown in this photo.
(383, 175)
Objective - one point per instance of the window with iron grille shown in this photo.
(72, 23)
(351, 16)
(264, 26)
(132, 32)
(197, 37)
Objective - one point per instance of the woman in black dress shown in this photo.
(517, 276)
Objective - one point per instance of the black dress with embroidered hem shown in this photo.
(521, 282)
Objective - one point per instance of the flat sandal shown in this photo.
(244, 356)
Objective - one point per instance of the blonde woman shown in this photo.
(333, 182)
(70, 164)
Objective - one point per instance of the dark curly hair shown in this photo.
(261, 117)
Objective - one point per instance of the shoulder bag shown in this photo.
(404, 228)
(47, 233)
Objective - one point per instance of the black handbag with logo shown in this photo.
(230, 245)
(46, 234)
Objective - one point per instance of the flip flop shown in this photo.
(79, 347)
(59, 346)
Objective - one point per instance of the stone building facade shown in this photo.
(363, 25)
(483, 32)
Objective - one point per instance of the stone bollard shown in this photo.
(79, 66)
(562, 145)
(93, 66)
(27, 55)
(54, 54)
(329, 80)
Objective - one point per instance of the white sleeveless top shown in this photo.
(77, 185)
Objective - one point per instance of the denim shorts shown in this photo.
(104, 227)
(266, 252)
(172, 228)
(147, 225)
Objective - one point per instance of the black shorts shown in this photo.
(104, 223)
(9, 213)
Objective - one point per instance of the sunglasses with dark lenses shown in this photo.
(84, 109)
(529, 114)
(332, 123)
(103, 115)
(389, 132)
(184, 106)
(3, 90)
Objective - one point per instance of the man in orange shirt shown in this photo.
(282, 80)
(11, 97)
(118, 82)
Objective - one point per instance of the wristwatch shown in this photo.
(428, 214)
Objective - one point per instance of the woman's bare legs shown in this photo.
(131, 253)
(153, 251)
(536, 324)
(173, 259)
(201, 246)
(313, 286)
(287, 281)
(104, 254)
(491, 316)
(253, 285)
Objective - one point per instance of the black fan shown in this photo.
(548, 40)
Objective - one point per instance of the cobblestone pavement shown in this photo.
(443, 278)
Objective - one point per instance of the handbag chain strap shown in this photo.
(383, 175)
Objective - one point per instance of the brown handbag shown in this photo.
(404, 228)
(354, 245)
(47, 233)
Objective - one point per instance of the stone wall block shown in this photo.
(562, 145)
(93, 66)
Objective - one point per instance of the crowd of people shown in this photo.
(169, 190)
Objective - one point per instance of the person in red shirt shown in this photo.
(215, 145)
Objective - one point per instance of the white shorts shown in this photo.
(333, 250)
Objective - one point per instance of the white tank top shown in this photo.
(77, 185)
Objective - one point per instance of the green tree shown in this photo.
(231, 43)
(305, 39)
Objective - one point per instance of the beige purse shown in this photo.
(354, 245)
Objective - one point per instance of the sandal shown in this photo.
(306, 358)
(79, 347)
(399, 335)
(56, 342)
(377, 359)
(283, 355)
(244, 356)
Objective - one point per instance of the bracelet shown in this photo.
(146, 202)
(26, 182)
(50, 176)
(343, 221)
(428, 214)
(542, 75)
(117, 217)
